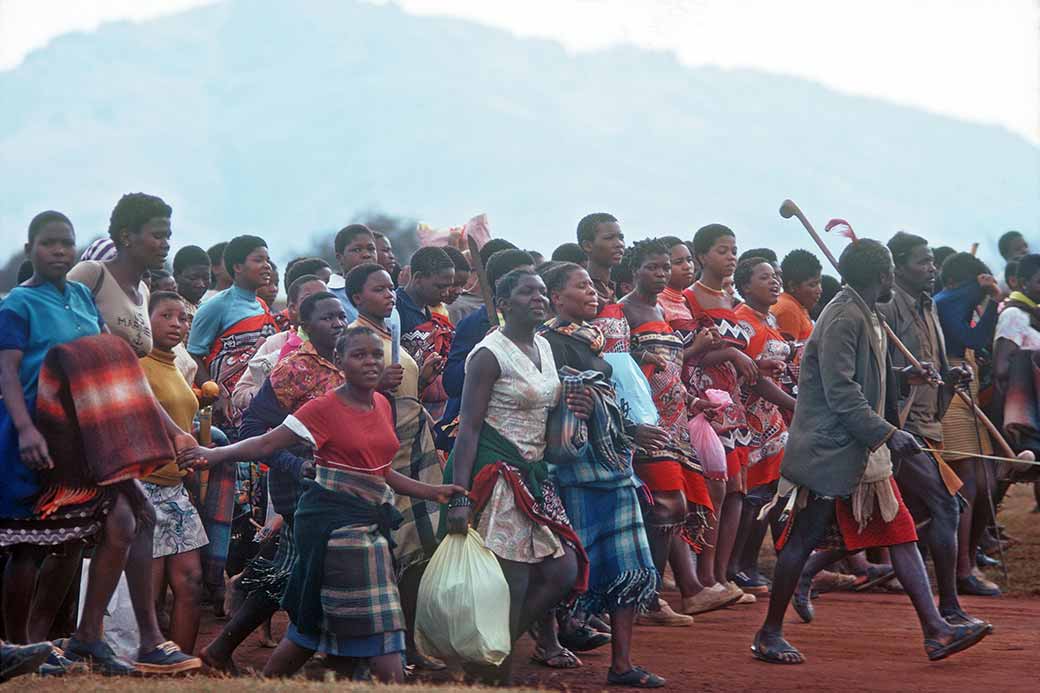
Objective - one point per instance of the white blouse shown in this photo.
(523, 395)
(1013, 325)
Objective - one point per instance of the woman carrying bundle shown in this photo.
(599, 488)
(40, 317)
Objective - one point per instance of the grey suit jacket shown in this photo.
(836, 423)
(899, 313)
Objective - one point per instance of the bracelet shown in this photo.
(460, 502)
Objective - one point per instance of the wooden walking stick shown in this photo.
(789, 209)
(485, 290)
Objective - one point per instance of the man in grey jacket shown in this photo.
(842, 422)
(929, 485)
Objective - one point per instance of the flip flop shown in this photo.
(880, 577)
(564, 659)
(775, 656)
(636, 677)
(964, 637)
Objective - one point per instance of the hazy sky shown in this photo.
(974, 59)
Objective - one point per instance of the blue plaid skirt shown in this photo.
(609, 523)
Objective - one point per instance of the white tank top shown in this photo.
(523, 395)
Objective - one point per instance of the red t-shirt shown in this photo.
(345, 437)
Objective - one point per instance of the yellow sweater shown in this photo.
(175, 396)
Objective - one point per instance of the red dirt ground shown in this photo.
(859, 642)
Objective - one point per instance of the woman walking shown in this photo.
(342, 598)
(511, 385)
(599, 488)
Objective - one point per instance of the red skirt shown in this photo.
(900, 530)
(764, 471)
(736, 459)
(672, 476)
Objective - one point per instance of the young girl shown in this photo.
(759, 286)
(669, 467)
(342, 524)
(178, 528)
(722, 369)
(40, 313)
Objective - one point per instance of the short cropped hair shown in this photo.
(960, 268)
(190, 256)
(238, 249)
(641, 250)
(457, 258)
(311, 302)
(902, 244)
(569, 252)
(44, 218)
(799, 266)
(160, 296)
(863, 261)
(134, 210)
(503, 262)
(429, 261)
(706, 237)
(348, 233)
(589, 223)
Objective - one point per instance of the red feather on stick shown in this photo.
(841, 227)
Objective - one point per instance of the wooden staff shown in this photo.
(995, 458)
(485, 289)
(789, 209)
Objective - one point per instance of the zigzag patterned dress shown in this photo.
(731, 425)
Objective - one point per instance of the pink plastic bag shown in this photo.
(706, 442)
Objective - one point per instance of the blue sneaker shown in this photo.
(167, 658)
(99, 656)
(18, 660)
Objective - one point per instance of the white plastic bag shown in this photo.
(120, 624)
(463, 603)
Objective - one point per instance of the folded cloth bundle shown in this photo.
(100, 420)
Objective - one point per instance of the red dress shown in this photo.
(765, 421)
(675, 468)
(731, 424)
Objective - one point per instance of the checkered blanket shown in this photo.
(416, 459)
(342, 581)
(100, 419)
(609, 523)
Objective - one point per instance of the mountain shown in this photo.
(253, 116)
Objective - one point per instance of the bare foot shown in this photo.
(224, 666)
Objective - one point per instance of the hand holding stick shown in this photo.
(789, 209)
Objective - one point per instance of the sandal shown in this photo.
(963, 638)
(636, 677)
(802, 602)
(874, 577)
(583, 639)
(564, 659)
(421, 661)
(777, 654)
(957, 617)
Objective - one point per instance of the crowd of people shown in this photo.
(617, 422)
